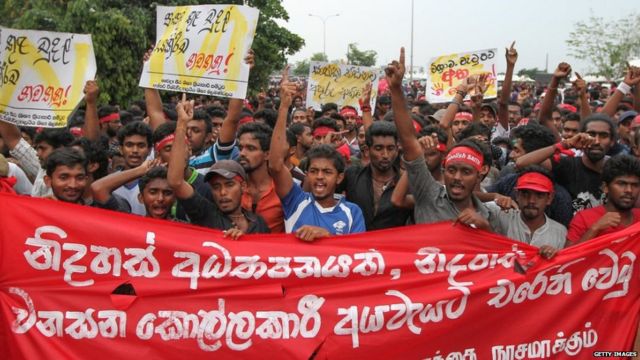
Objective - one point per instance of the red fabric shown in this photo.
(268, 206)
(109, 118)
(427, 291)
(162, 143)
(463, 116)
(348, 111)
(345, 151)
(534, 181)
(465, 155)
(322, 131)
(584, 219)
(7, 184)
(568, 107)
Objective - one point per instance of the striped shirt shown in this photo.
(213, 154)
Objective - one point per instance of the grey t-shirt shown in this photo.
(432, 203)
(551, 233)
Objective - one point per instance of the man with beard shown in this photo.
(228, 182)
(319, 213)
(371, 187)
(579, 175)
(66, 175)
(463, 168)
(350, 116)
(621, 183)
(135, 145)
(534, 192)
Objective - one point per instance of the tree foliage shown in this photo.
(302, 67)
(607, 44)
(361, 57)
(122, 30)
(529, 72)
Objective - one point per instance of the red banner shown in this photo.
(430, 292)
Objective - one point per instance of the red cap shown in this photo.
(534, 181)
(523, 121)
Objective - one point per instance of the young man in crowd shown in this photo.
(579, 175)
(66, 175)
(228, 182)
(135, 145)
(371, 186)
(350, 116)
(464, 166)
(110, 123)
(319, 213)
(621, 184)
(530, 224)
(304, 141)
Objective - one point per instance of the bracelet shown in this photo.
(624, 88)
(365, 108)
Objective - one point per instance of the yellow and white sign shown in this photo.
(446, 72)
(201, 50)
(340, 84)
(42, 75)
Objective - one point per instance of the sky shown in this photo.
(442, 27)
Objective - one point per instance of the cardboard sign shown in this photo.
(340, 84)
(201, 50)
(446, 72)
(42, 75)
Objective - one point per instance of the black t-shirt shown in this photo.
(199, 186)
(205, 213)
(583, 184)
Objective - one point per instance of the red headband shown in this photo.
(442, 147)
(76, 131)
(162, 143)
(465, 155)
(109, 118)
(322, 131)
(348, 112)
(534, 181)
(463, 116)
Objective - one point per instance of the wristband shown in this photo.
(624, 88)
(365, 108)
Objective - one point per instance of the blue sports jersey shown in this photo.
(300, 208)
(213, 154)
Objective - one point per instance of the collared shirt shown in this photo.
(432, 203)
(28, 158)
(213, 154)
(301, 208)
(269, 207)
(552, 233)
(358, 184)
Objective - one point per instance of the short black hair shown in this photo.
(431, 129)
(202, 115)
(57, 138)
(163, 131)
(337, 117)
(95, 154)
(292, 140)
(262, 132)
(158, 172)
(572, 117)
(380, 128)
(298, 128)
(135, 128)
(170, 113)
(29, 131)
(328, 107)
(65, 157)
(475, 128)
(216, 111)
(534, 136)
(620, 165)
(603, 118)
(325, 151)
(269, 115)
(325, 121)
(126, 117)
(107, 110)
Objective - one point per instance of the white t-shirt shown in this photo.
(23, 186)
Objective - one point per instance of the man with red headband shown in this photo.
(350, 116)
(530, 224)
(463, 167)
(109, 119)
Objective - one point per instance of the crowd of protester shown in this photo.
(547, 169)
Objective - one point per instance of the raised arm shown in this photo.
(632, 78)
(562, 71)
(179, 150)
(103, 188)
(406, 132)
(278, 151)
(511, 55)
(91, 128)
(21, 151)
(230, 124)
(365, 106)
(581, 87)
(400, 197)
(579, 141)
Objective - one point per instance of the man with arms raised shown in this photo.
(319, 213)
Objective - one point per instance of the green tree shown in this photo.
(360, 57)
(319, 57)
(123, 30)
(529, 72)
(607, 44)
(301, 68)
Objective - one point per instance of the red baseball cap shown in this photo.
(534, 181)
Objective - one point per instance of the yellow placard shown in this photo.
(340, 84)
